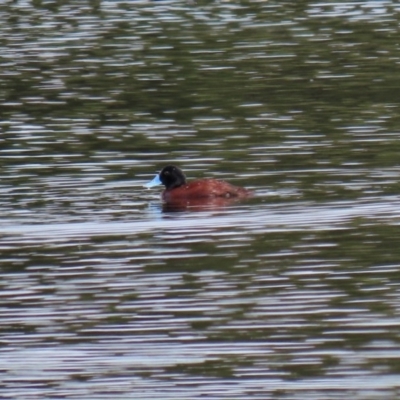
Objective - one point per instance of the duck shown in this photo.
(178, 189)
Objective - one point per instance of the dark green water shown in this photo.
(107, 293)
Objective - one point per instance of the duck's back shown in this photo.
(203, 188)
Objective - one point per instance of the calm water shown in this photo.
(107, 293)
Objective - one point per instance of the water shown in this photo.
(106, 292)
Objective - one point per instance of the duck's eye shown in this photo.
(166, 172)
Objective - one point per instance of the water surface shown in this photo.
(106, 292)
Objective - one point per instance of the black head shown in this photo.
(172, 177)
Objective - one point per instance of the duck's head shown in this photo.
(170, 176)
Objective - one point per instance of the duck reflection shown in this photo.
(200, 204)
